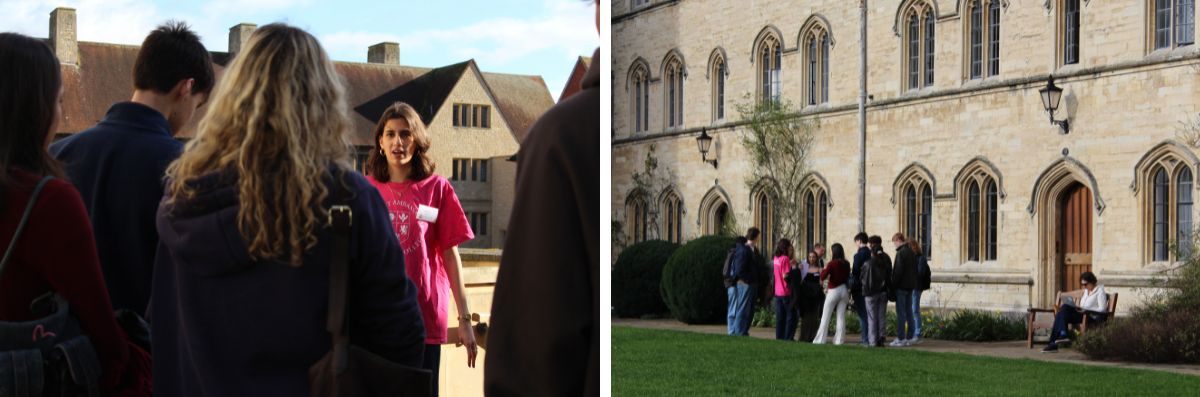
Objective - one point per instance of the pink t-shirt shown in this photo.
(423, 242)
(782, 265)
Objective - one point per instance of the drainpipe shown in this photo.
(862, 118)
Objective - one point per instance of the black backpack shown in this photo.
(875, 277)
(725, 271)
(923, 272)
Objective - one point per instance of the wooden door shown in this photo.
(1075, 237)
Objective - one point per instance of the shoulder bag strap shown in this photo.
(37, 190)
(340, 219)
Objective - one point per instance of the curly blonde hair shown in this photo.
(278, 119)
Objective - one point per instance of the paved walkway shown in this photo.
(998, 349)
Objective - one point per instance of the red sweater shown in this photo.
(837, 272)
(57, 252)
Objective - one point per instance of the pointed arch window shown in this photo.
(918, 36)
(764, 221)
(816, 204)
(982, 216)
(1165, 188)
(639, 222)
(641, 98)
(673, 211)
(916, 210)
(770, 60)
(674, 73)
(816, 65)
(718, 87)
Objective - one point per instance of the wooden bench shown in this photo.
(1077, 295)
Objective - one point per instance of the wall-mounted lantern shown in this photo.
(1051, 95)
(705, 142)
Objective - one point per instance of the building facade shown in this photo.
(959, 149)
(476, 120)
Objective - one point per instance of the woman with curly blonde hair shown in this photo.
(429, 224)
(241, 280)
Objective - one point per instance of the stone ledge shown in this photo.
(981, 279)
(479, 255)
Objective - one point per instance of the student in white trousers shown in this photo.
(836, 272)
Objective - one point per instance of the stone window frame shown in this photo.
(1173, 159)
(816, 44)
(979, 173)
(923, 14)
(718, 74)
(815, 213)
(713, 200)
(923, 186)
(674, 71)
(637, 208)
(769, 48)
(1060, 9)
(762, 210)
(990, 29)
(1170, 42)
(673, 210)
(639, 78)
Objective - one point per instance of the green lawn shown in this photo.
(649, 362)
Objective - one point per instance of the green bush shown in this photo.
(973, 326)
(764, 317)
(636, 276)
(692, 286)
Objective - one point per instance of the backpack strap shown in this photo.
(37, 190)
(340, 219)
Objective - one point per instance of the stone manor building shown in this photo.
(960, 151)
(476, 119)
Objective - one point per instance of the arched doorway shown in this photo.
(1064, 206)
(1074, 242)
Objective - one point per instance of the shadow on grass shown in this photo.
(648, 362)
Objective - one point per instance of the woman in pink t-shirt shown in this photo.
(429, 223)
(785, 318)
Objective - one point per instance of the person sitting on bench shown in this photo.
(1094, 299)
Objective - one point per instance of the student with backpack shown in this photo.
(925, 277)
(876, 281)
(904, 277)
(731, 284)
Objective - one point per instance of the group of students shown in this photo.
(222, 244)
(809, 292)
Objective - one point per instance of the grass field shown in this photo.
(648, 362)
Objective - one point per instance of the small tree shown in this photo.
(778, 142)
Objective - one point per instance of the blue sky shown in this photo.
(535, 37)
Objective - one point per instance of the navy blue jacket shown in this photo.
(744, 266)
(118, 167)
(860, 258)
(228, 325)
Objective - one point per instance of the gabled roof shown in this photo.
(105, 76)
(522, 99)
(576, 78)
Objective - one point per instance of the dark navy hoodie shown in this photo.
(227, 325)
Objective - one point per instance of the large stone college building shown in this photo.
(960, 150)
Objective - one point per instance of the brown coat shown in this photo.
(544, 338)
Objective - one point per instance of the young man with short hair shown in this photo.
(731, 286)
(118, 165)
(745, 270)
(860, 305)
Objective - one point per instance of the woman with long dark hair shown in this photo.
(38, 265)
(242, 277)
(836, 272)
(429, 223)
(785, 317)
(812, 298)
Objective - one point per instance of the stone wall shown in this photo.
(1121, 102)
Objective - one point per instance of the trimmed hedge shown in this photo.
(692, 286)
(636, 276)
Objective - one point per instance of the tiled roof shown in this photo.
(522, 99)
(573, 81)
(104, 76)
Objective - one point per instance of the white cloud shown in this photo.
(496, 41)
(107, 21)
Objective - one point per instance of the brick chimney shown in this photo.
(387, 53)
(239, 35)
(62, 35)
